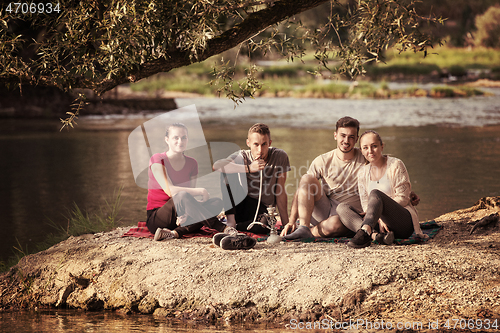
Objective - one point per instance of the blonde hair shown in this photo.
(179, 125)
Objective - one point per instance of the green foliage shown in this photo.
(382, 71)
(457, 70)
(488, 28)
(79, 223)
(237, 91)
(330, 90)
(288, 71)
(178, 81)
(297, 83)
(100, 45)
(442, 92)
(459, 91)
(76, 107)
(444, 57)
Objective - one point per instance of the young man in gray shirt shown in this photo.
(241, 180)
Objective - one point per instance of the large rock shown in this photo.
(454, 275)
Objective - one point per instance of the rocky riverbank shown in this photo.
(50, 102)
(456, 275)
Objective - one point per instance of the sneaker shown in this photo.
(389, 238)
(218, 237)
(360, 240)
(386, 239)
(163, 234)
(237, 242)
(229, 231)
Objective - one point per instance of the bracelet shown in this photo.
(248, 168)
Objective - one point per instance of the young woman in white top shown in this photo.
(384, 189)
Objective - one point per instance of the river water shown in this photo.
(58, 321)
(451, 148)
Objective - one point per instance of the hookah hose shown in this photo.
(258, 203)
(273, 237)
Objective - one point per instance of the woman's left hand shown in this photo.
(383, 227)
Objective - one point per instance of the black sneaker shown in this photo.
(237, 242)
(360, 240)
(229, 231)
(218, 237)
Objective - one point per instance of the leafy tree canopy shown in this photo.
(99, 44)
(488, 28)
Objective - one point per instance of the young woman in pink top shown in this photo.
(172, 210)
(384, 190)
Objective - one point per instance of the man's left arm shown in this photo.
(282, 198)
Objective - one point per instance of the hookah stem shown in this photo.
(258, 203)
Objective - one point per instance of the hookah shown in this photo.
(270, 218)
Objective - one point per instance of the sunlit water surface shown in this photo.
(78, 321)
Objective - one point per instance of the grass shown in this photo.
(446, 57)
(79, 223)
(185, 81)
(309, 87)
(329, 90)
(458, 91)
(285, 79)
(382, 70)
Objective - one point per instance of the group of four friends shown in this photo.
(348, 191)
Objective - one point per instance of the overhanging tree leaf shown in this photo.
(100, 44)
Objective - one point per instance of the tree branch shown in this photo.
(254, 23)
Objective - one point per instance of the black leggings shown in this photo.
(380, 206)
(199, 214)
(244, 211)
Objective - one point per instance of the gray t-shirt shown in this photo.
(277, 163)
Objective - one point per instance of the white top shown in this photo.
(383, 184)
(400, 186)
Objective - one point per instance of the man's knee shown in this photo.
(309, 185)
(333, 222)
(334, 227)
(308, 179)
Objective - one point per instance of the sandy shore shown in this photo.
(456, 275)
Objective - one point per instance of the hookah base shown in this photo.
(273, 238)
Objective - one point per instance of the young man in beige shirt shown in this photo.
(330, 180)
